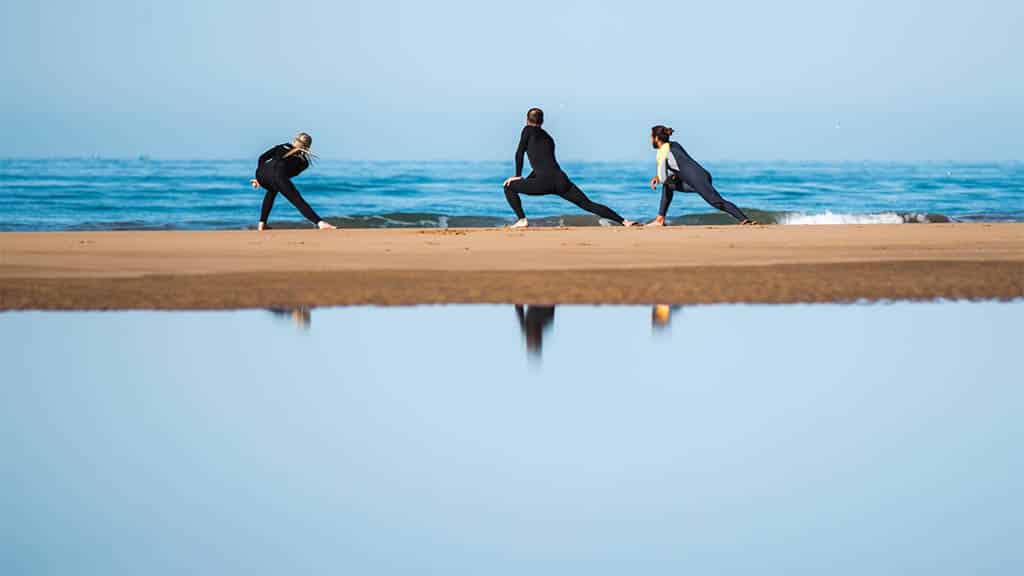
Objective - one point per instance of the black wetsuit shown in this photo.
(534, 321)
(692, 177)
(547, 177)
(275, 172)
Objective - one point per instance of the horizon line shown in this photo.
(161, 158)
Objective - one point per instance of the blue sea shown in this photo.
(143, 193)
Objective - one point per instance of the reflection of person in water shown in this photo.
(661, 316)
(534, 320)
(301, 316)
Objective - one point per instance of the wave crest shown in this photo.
(431, 220)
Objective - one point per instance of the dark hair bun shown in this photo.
(662, 133)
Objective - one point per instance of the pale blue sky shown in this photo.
(791, 79)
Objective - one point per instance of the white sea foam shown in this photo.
(796, 218)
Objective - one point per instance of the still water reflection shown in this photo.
(745, 440)
(534, 321)
(301, 317)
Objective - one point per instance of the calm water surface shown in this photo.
(881, 439)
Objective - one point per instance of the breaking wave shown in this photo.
(429, 220)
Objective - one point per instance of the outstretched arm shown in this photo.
(662, 174)
(263, 159)
(520, 152)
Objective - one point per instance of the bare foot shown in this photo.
(521, 223)
(262, 226)
(749, 222)
(629, 223)
(326, 225)
(656, 223)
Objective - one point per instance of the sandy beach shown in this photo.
(680, 265)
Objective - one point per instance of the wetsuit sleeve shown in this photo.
(521, 151)
(663, 169)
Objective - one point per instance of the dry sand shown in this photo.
(680, 265)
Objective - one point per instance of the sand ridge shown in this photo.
(187, 269)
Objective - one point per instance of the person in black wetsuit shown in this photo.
(678, 171)
(547, 176)
(534, 321)
(274, 173)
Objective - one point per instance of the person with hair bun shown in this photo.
(274, 172)
(678, 171)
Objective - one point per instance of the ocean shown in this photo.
(149, 194)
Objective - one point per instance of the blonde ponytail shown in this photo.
(305, 141)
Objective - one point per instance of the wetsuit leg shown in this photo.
(533, 322)
(707, 191)
(512, 197)
(667, 193)
(530, 186)
(268, 202)
(573, 194)
(292, 194)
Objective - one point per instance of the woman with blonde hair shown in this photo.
(274, 173)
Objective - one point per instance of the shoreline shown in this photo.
(175, 270)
